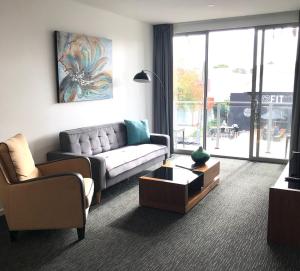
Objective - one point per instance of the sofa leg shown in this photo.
(13, 235)
(97, 197)
(80, 233)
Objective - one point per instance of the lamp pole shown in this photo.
(142, 77)
(156, 77)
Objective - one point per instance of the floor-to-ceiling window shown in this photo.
(189, 81)
(243, 109)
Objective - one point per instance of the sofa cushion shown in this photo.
(137, 132)
(129, 157)
(93, 140)
(21, 158)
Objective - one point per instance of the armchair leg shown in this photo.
(80, 233)
(13, 235)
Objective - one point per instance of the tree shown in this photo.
(189, 88)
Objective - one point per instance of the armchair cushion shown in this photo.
(21, 158)
(89, 191)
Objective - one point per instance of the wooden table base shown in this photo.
(178, 197)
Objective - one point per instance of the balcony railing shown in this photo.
(228, 121)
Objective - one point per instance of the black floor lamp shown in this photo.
(142, 77)
(162, 121)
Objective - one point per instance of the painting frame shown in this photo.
(83, 67)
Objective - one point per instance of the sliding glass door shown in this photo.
(233, 91)
(189, 82)
(276, 55)
(230, 62)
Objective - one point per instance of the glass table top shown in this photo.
(175, 174)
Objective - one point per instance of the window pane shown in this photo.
(230, 62)
(189, 58)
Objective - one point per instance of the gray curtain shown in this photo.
(295, 134)
(163, 93)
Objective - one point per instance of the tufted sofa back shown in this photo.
(95, 139)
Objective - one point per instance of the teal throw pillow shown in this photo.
(137, 132)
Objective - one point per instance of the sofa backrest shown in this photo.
(95, 139)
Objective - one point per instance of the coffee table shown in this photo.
(176, 189)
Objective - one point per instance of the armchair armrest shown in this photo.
(98, 166)
(58, 155)
(161, 140)
(47, 203)
(71, 164)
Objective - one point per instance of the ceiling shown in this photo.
(175, 11)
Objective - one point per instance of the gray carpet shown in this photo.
(225, 231)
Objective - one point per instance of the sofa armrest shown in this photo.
(161, 140)
(49, 202)
(98, 172)
(73, 164)
(98, 166)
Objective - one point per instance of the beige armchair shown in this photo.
(52, 195)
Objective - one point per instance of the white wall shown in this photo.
(28, 100)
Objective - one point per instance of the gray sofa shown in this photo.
(112, 160)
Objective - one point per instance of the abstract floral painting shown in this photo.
(84, 67)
